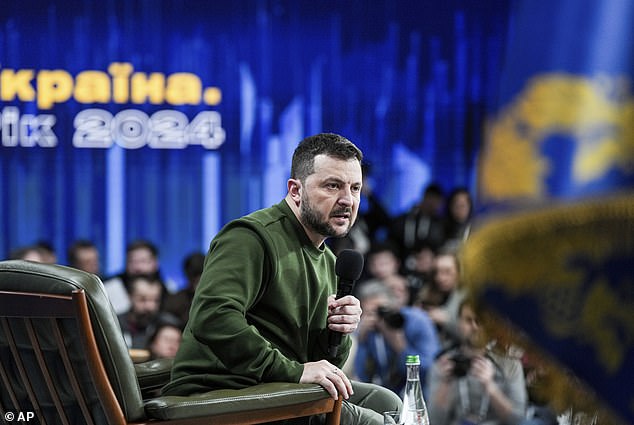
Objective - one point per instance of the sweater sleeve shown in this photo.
(233, 277)
(322, 351)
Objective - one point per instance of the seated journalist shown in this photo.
(473, 384)
(389, 331)
(265, 302)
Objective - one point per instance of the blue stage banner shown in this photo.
(165, 119)
(554, 251)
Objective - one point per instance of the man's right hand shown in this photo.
(445, 367)
(328, 376)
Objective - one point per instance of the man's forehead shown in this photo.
(324, 164)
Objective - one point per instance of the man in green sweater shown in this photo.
(265, 302)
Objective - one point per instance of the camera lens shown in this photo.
(393, 318)
(462, 364)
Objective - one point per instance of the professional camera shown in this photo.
(393, 318)
(462, 364)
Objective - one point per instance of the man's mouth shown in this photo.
(341, 215)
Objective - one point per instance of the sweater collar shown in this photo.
(307, 244)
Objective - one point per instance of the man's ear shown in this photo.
(295, 190)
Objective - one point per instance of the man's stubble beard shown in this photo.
(145, 319)
(311, 219)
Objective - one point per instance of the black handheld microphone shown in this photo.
(348, 268)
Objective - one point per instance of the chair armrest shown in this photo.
(153, 375)
(277, 399)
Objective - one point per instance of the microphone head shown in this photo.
(349, 265)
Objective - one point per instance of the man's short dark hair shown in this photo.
(330, 144)
(142, 244)
(150, 279)
(75, 247)
(433, 189)
(383, 246)
(193, 265)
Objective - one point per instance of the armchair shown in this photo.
(63, 360)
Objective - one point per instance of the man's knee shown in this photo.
(374, 397)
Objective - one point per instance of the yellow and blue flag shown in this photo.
(554, 249)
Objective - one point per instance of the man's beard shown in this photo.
(143, 320)
(311, 219)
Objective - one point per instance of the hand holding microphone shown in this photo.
(344, 312)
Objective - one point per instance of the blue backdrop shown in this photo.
(166, 119)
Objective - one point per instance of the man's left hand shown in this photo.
(344, 314)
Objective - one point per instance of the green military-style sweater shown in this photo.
(260, 309)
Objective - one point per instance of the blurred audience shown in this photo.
(419, 269)
(389, 331)
(47, 251)
(83, 255)
(458, 213)
(423, 222)
(412, 299)
(382, 261)
(141, 259)
(165, 340)
(179, 303)
(382, 264)
(144, 314)
(473, 384)
(28, 252)
(442, 298)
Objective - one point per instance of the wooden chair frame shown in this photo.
(27, 307)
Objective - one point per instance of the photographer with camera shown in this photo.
(470, 384)
(387, 333)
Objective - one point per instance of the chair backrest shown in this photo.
(58, 338)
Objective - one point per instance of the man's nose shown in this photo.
(346, 198)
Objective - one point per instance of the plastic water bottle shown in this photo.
(414, 409)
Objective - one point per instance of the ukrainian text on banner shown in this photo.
(555, 247)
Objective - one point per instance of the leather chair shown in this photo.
(63, 360)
